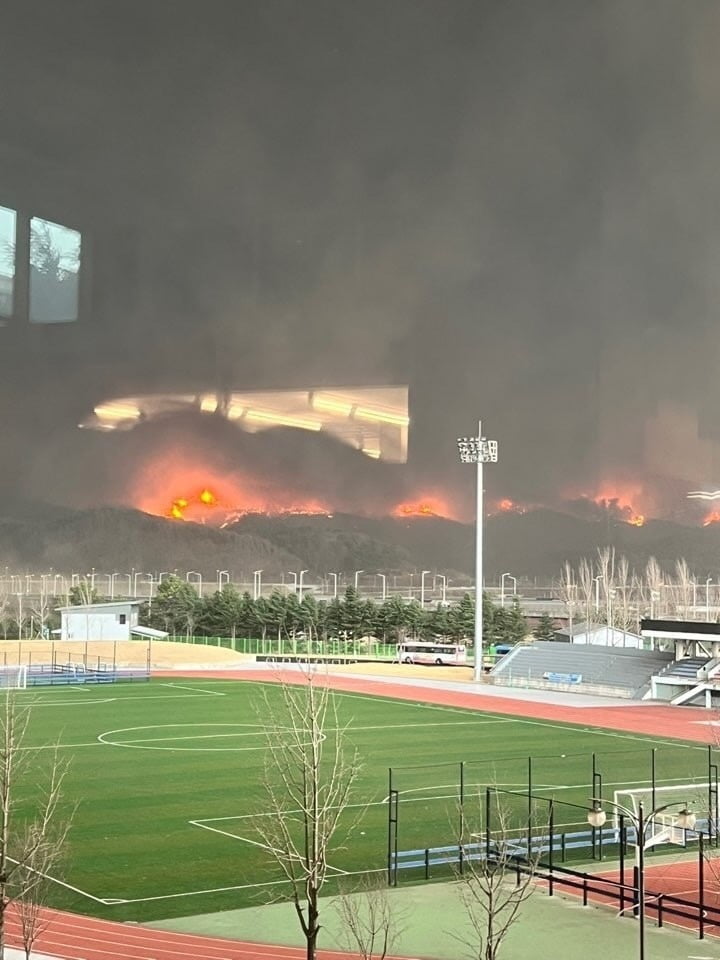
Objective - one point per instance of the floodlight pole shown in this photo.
(479, 515)
(478, 450)
(640, 821)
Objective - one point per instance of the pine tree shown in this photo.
(545, 629)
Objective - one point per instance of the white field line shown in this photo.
(569, 727)
(243, 886)
(68, 886)
(181, 686)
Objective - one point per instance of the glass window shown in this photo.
(7, 261)
(54, 272)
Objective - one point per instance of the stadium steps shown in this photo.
(578, 666)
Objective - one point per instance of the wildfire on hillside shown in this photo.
(423, 507)
(618, 501)
(506, 505)
(710, 518)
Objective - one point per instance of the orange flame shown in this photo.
(637, 520)
(426, 507)
(712, 517)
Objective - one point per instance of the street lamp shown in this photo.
(596, 581)
(335, 584)
(292, 574)
(223, 576)
(384, 585)
(257, 584)
(357, 577)
(135, 582)
(422, 587)
(502, 587)
(478, 450)
(198, 580)
(444, 587)
(685, 821)
(707, 598)
(300, 584)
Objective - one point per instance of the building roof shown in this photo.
(582, 627)
(149, 632)
(102, 606)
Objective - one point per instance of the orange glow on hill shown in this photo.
(423, 507)
(169, 487)
(712, 517)
(627, 502)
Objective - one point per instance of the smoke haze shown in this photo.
(512, 206)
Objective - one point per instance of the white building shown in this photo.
(600, 635)
(104, 621)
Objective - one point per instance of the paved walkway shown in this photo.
(548, 927)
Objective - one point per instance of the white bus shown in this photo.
(445, 653)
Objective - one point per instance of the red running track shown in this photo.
(75, 937)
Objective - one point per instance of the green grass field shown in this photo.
(168, 778)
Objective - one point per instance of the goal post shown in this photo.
(13, 678)
(661, 824)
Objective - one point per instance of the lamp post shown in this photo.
(136, 576)
(502, 587)
(640, 821)
(422, 587)
(596, 581)
(223, 576)
(357, 577)
(292, 574)
(478, 450)
(444, 587)
(257, 584)
(707, 598)
(198, 580)
(383, 577)
(335, 584)
(300, 584)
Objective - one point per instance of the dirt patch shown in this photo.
(164, 654)
(413, 670)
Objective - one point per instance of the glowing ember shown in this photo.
(620, 501)
(207, 497)
(427, 507)
(712, 517)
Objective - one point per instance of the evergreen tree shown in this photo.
(352, 613)
(517, 628)
(175, 606)
(545, 629)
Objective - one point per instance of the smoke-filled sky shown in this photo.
(511, 205)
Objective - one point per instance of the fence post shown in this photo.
(701, 887)
(427, 863)
(551, 830)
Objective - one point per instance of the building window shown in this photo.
(7, 262)
(123, 618)
(54, 272)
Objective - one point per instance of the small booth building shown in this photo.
(104, 621)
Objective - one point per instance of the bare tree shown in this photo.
(371, 923)
(492, 889)
(41, 611)
(31, 842)
(310, 768)
(29, 907)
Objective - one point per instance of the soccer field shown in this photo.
(168, 779)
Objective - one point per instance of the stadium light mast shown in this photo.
(642, 823)
(478, 450)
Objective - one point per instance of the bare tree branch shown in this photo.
(310, 769)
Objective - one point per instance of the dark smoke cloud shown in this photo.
(510, 205)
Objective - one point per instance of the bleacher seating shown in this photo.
(688, 667)
(627, 670)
